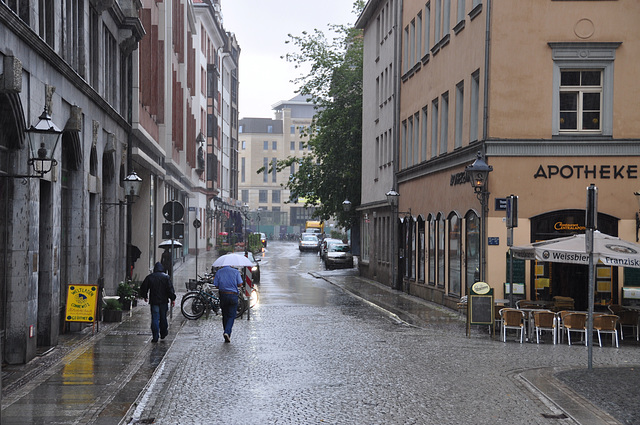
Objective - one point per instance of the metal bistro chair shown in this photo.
(606, 323)
(512, 319)
(545, 320)
(575, 322)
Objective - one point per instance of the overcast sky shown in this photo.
(261, 28)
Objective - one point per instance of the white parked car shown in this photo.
(308, 242)
(339, 256)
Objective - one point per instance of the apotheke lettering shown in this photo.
(585, 172)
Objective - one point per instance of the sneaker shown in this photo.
(227, 338)
(154, 340)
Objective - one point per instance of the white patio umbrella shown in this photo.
(610, 250)
(233, 260)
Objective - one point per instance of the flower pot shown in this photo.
(112, 315)
(126, 304)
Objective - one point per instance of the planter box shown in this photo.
(112, 315)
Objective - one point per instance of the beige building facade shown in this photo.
(546, 93)
(263, 142)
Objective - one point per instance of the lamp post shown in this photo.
(392, 199)
(245, 210)
(637, 194)
(478, 174)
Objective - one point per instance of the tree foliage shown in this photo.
(331, 173)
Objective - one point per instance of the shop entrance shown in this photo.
(571, 280)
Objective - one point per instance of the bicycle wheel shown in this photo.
(193, 306)
(242, 306)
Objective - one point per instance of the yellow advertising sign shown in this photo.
(81, 303)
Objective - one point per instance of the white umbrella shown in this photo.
(233, 260)
(610, 250)
(167, 244)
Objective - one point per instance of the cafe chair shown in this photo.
(627, 318)
(512, 319)
(606, 323)
(560, 323)
(575, 322)
(545, 320)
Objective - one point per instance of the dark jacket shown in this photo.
(159, 286)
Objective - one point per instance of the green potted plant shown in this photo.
(112, 310)
(127, 293)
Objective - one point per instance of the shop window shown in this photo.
(472, 249)
(432, 250)
(441, 249)
(455, 254)
(421, 249)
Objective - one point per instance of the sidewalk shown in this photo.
(95, 378)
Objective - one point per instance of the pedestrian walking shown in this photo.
(166, 259)
(227, 280)
(160, 289)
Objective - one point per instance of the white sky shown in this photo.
(261, 28)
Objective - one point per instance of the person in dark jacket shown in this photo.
(160, 289)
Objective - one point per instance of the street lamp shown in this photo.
(132, 184)
(43, 139)
(346, 205)
(392, 199)
(478, 174)
(245, 210)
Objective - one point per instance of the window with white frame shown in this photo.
(444, 123)
(583, 87)
(459, 114)
(580, 100)
(427, 27)
(434, 128)
(475, 106)
(424, 134)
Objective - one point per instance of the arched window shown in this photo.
(472, 259)
(455, 254)
(421, 248)
(441, 250)
(432, 250)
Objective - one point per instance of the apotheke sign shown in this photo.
(587, 172)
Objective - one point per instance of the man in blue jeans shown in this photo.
(160, 289)
(227, 281)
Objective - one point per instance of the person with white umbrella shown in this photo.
(228, 281)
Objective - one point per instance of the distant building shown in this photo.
(262, 142)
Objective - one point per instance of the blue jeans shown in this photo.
(229, 306)
(159, 325)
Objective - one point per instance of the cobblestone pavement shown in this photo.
(313, 353)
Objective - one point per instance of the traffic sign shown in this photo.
(173, 211)
(196, 223)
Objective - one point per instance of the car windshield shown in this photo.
(309, 238)
(339, 248)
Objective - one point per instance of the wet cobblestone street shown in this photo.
(312, 353)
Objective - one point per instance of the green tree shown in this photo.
(331, 173)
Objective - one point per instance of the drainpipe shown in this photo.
(396, 131)
(485, 113)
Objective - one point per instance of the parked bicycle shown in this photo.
(204, 299)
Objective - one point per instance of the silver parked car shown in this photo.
(339, 256)
(308, 242)
(324, 246)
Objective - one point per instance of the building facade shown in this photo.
(135, 86)
(263, 142)
(72, 59)
(380, 90)
(545, 94)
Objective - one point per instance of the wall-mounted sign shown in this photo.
(587, 172)
(81, 303)
(494, 240)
